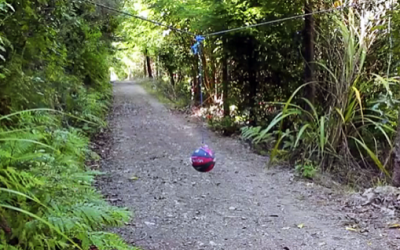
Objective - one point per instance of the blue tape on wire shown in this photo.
(195, 47)
(199, 39)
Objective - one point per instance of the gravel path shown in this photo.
(239, 205)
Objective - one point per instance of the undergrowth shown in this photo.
(172, 96)
(352, 137)
(47, 200)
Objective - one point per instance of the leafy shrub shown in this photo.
(306, 168)
(46, 162)
(227, 124)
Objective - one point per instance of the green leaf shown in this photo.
(373, 156)
(300, 134)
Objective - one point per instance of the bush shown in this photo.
(226, 125)
(47, 198)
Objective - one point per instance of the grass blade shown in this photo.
(358, 96)
(23, 195)
(41, 220)
(299, 135)
(44, 109)
(26, 140)
(322, 134)
(373, 156)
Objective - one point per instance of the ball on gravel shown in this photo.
(203, 159)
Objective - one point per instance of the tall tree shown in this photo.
(252, 79)
(308, 36)
(144, 66)
(149, 71)
(225, 82)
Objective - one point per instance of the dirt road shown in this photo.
(239, 205)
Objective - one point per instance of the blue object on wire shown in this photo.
(199, 38)
(195, 47)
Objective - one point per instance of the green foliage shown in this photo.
(257, 135)
(252, 53)
(55, 58)
(174, 96)
(353, 127)
(306, 168)
(40, 159)
(227, 124)
(58, 47)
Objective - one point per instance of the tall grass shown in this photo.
(348, 128)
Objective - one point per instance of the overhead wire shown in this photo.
(279, 20)
(139, 17)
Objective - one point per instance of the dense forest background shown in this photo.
(321, 92)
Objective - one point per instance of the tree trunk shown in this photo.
(396, 157)
(213, 86)
(144, 68)
(171, 77)
(253, 84)
(158, 68)
(253, 98)
(225, 85)
(148, 65)
(309, 50)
